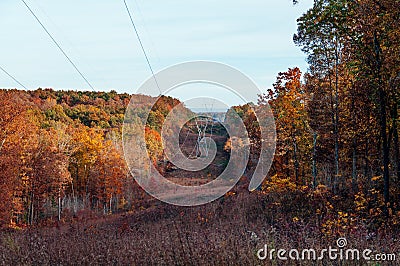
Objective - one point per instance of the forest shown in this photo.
(336, 169)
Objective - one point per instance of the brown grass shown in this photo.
(213, 234)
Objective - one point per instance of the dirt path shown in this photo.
(188, 139)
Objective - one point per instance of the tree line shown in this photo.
(337, 128)
(61, 152)
(338, 124)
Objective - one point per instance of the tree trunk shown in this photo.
(31, 209)
(296, 163)
(59, 204)
(354, 146)
(111, 204)
(74, 202)
(336, 113)
(314, 166)
(366, 160)
(396, 142)
(354, 166)
(2, 143)
(383, 122)
(385, 145)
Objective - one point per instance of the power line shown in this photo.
(67, 41)
(147, 31)
(8, 74)
(141, 45)
(59, 47)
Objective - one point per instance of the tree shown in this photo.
(288, 103)
(12, 133)
(378, 59)
(109, 171)
(353, 52)
(320, 34)
(44, 174)
(87, 144)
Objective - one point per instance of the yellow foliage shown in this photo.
(376, 178)
(339, 224)
(278, 184)
(361, 202)
(230, 194)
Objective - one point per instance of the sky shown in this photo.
(254, 36)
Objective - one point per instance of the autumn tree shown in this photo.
(44, 173)
(109, 172)
(87, 144)
(288, 102)
(320, 34)
(353, 52)
(378, 65)
(12, 127)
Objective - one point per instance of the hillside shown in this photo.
(62, 152)
(312, 179)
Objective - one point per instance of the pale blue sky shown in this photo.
(254, 36)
